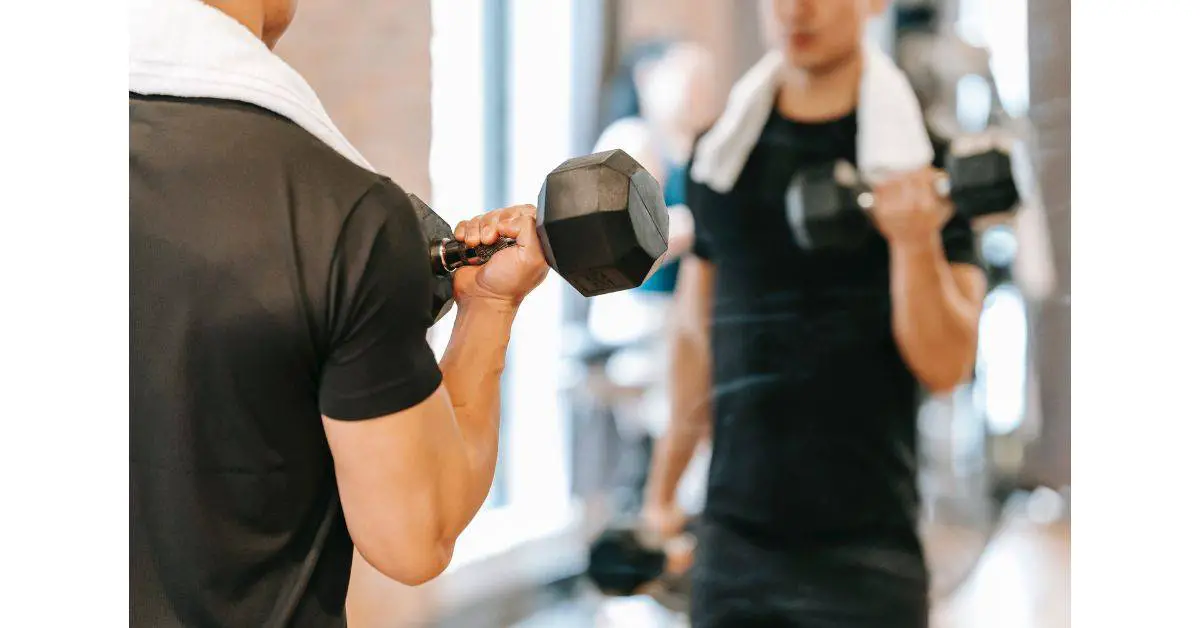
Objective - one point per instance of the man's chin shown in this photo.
(805, 59)
(813, 62)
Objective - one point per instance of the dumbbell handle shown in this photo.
(447, 255)
(864, 196)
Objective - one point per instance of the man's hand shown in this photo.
(681, 554)
(908, 209)
(664, 521)
(511, 273)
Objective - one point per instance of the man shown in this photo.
(285, 404)
(806, 364)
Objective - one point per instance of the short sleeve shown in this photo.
(379, 361)
(695, 196)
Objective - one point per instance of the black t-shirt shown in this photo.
(814, 436)
(271, 281)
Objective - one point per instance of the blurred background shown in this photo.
(469, 103)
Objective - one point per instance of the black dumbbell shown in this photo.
(827, 205)
(622, 561)
(601, 221)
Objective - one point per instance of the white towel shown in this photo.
(188, 49)
(892, 137)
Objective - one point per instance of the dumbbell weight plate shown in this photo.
(434, 229)
(619, 562)
(826, 212)
(983, 182)
(602, 222)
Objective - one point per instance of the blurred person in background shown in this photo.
(806, 366)
(662, 97)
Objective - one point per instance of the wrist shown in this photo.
(488, 306)
(658, 499)
(916, 246)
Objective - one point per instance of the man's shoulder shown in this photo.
(251, 136)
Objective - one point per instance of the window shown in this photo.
(504, 115)
(539, 107)
(1001, 26)
(459, 164)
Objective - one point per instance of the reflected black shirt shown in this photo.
(814, 410)
(271, 281)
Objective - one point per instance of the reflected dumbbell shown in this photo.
(828, 205)
(625, 561)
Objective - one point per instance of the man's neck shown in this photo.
(821, 94)
(248, 13)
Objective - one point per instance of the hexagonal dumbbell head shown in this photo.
(981, 173)
(602, 222)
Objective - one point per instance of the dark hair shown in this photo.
(621, 95)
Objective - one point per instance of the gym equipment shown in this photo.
(622, 562)
(601, 221)
(435, 230)
(828, 205)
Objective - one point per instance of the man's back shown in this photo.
(236, 222)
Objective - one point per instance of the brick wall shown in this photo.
(369, 62)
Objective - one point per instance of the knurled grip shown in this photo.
(450, 254)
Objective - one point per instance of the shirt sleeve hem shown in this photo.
(397, 397)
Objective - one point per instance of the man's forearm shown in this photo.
(934, 322)
(689, 424)
(471, 369)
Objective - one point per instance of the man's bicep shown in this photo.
(694, 296)
(378, 361)
(372, 455)
(389, 472)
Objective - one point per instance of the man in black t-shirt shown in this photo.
(807, 366)
(285, 405)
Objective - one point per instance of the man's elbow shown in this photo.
(946, 376)
(941, 385)
(412, 566)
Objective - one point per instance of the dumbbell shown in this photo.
(601, 221)
(828, 205)
(623, 561)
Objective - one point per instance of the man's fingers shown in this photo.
(920, 194)
(523, 228)
(939, 182)
(488, 233)
(935, 192)
(471, 233)
(487, 228)
(888, 196)
(518, 211)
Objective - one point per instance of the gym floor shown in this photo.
(1021, 581)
